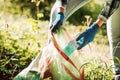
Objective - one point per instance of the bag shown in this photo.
(51, 65)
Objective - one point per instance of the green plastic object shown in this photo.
(31, 75)
(70, 48)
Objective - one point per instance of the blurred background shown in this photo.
(23, 34)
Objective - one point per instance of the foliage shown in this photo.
(92, 9)
(19, 44)
(22, 38)
(32, 8)
(98, 70)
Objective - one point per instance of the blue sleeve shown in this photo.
(87, 36)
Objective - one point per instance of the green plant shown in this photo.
(98, 70)
(19, 44)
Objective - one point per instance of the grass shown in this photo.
(23, 38)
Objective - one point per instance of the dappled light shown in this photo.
(28, 48)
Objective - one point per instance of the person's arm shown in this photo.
(61, 9)
(84, 38)
(99, 22)
(59, 16)
(109, 8)
(88, 35)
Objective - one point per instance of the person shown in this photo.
(65, 8)
(113, 28)
(61, 11)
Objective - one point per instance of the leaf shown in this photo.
(40, 15)
(37, 3)
(33, 0)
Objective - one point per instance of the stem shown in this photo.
(37, 7)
